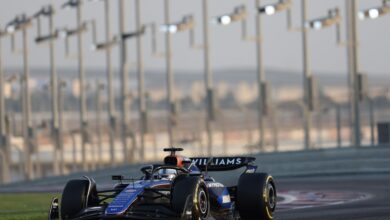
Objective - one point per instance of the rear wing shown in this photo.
(222, 163)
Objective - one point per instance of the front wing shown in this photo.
(150, 212)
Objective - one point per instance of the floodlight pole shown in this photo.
(260, 77)
(124, 80)
(123, 36)
(208, 79)
(239, 14)
(60, 101)
(338, 125)
(353, 69)
(54, 101)
(107, 47)
(306, 75)
(83, 105)
(170, 77)
(28, 129)
(275, 126)
(2, 99)
(82, 100)
(80, 54)
(110, 88)
(141, 81)
(3, 166)
(99, 107)
(4, 135)
(333, 18)
(369, 13)
(53, 86)
(372, 120)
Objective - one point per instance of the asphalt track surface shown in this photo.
(371, 201)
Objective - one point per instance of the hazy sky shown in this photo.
(282, 49)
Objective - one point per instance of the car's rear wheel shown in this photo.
(256, 196)
(185, 187)
(74, 198)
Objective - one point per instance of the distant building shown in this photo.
(197, 92)
(287, 93)
(336, 93)
(245, 93)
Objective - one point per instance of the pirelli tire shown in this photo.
(256, 196)
(77, 195)
(192, 187)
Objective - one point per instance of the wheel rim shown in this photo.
(271, 197)
(203, 203)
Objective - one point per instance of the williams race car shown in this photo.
(180, 188)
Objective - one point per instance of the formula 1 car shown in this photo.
(180, 188)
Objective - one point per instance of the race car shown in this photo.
(179, 188)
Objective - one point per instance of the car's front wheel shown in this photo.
(190, 187)
(256, 196)
(76, 196)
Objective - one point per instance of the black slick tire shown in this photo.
(256, 196)
(185, 186)
(74, 198)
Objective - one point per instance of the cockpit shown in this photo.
(166, 174)
(173, 166)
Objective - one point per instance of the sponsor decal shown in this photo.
(215, 185)
(218, 161)
(226, 199)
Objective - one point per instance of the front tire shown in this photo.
(185, 186)
(74, 198)
(256, 196)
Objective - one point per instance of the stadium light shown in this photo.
(19, 23)
(114, 41)
(169, 28)
(187, 23)
(274, 8)
(239, 13)
(374, 13)
(65, 32)
(71, 4)
(104, 46)
(133, 34)
(45, 11)
(333, 18)
(11, 29)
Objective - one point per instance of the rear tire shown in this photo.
(185, 186)
(74, 198)
(256, 196)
